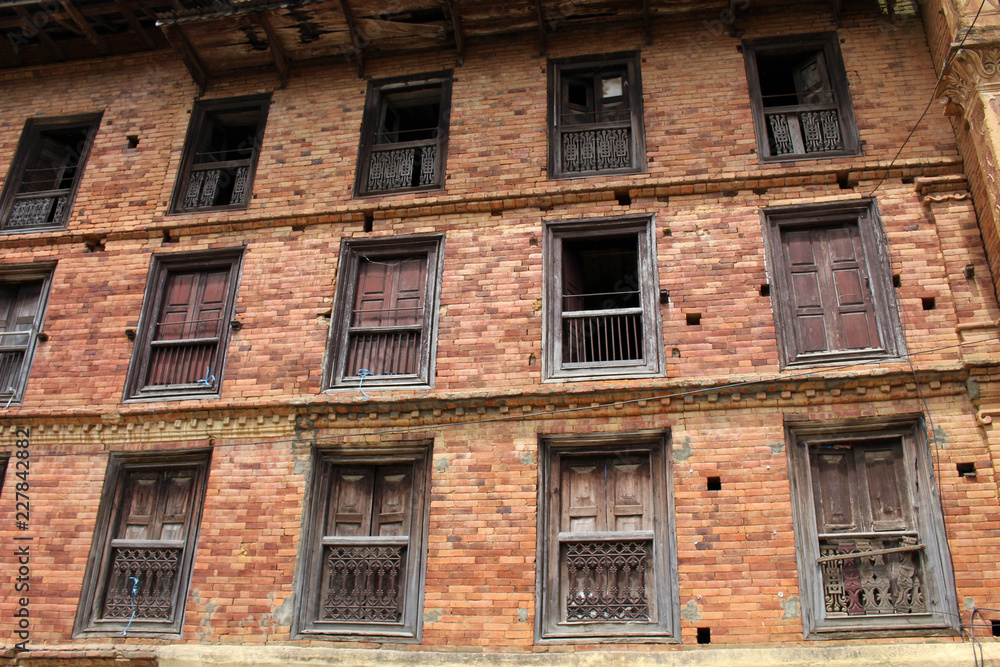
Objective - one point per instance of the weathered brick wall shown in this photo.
(736, 555)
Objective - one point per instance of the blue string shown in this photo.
(363, 372)
(135, 589)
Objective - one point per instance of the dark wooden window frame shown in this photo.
(41, 271)
(161, 266)
(88, 621)
(31, 138)
(942, 616)
(827, 44)
(864, 214)
(196, 128)
(375, 107)
(557, 70)
(665, 604)
(308, 588)
(653, 362)
(352, 252)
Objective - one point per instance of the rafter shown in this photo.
(281, 62)
(188, 56)
(133, 22)
(352, 26)
(456, 22)
(88, 32)
(542, 49)
(40, 32)
(647, 29)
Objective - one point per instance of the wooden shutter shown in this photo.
(393, 501)
(831, 299)
(351, 501)
(388, 317)
(835, 491)
(189, 326)
(884, 482)
(812, 81)
(605, 494)
(19, 307)
(157, 504)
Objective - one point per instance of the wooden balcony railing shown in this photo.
(363, 582)
(606, 579)
(602, 335)
(800, 131)
(596, 149)
(38, 209)
(209, 181)
(872, 575)
(142, 580)
(403, 166)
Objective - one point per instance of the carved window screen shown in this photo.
(608, 566)
(364, 558)
(404, 135)
(869, 536)
(383, 331)
(46, 172)
(220, 154)
(603, 309)
(800, 98)
(180, 347)
(596, 117)
(140, 565)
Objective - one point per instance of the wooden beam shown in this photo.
(190, 59)
(456, 23)
(836, 6)
(647, 29)
(732, 18)
(890, 6)
(88, 32)
(359, 50)
(541, 29)
(39, 30)
(281, 62)
(133, 22)
(9, 53)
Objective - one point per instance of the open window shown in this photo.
(23, 295)
(180, 347)
(833, 298)
(384, 330)
(601, 289)
(45, 173)
(606, 547)
(220, 154)
(404, 135)
(869, 534)
(596, 117)
(140, 563)
(363, 554)
(801, 103)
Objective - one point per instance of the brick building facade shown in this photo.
(560, 328)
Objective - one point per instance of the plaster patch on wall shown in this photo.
(528, 458)
(682, 450)
(777, 446)
(522, 615)
(970, 603)
(441, 465)
(432, 616)
(791, 607)
(691, 613)
(940, 437)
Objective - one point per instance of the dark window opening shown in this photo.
(221, 154)
(404, 137)
(601, 279)
(793, 79)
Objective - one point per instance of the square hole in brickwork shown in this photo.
(623, 197)
(966, 469)
(896, 282)
(704, 635)
(369, 222)
(996, 628)
(132, 142)
(765, 290)
(714, 484)
(928, 302)
(970, 271)
(693, 319)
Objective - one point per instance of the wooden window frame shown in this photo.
(864, 214)
(557, 71)
(11, 274)
(375, 107)
(352, 252)
(31, 138)
(88, 622)
(308, 587)
(665, 627)
(653, 362)
(942, 617)
(161, 266)
(829, 45)
(196, 128)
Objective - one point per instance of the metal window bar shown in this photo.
(155, 565)
(591, 336)
(872, 576)
(606, 579)
(184, 324)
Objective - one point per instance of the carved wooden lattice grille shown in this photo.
(205, 186)
(606, 580)
(37, 211)
(597, 150)
(792, 133)
(151, 573)
(872, 584)
(363, 583)
(402, 168)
